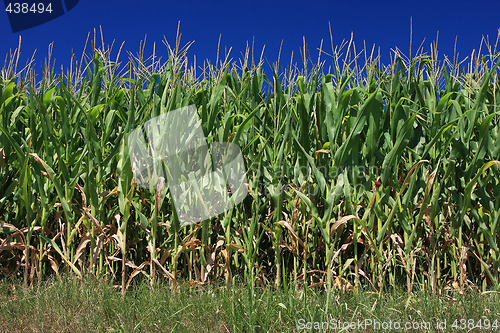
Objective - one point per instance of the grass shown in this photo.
(89, 305)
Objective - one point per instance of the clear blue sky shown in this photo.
(384, 23)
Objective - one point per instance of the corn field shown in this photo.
(359, 174)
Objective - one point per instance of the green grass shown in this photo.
(74, 305)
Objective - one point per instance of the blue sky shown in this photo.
(383, 23)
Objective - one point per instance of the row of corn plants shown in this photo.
(359, 174)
